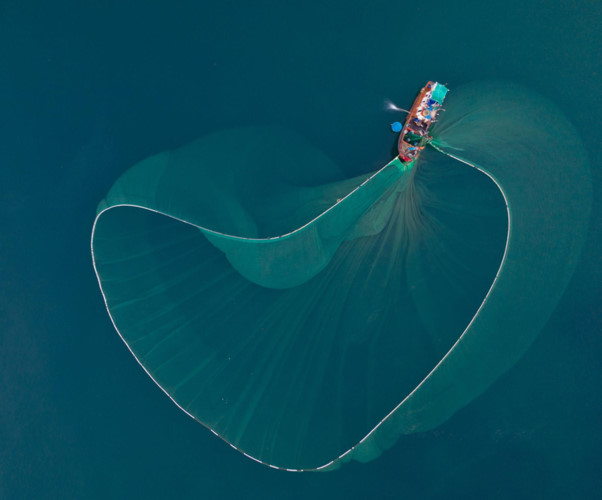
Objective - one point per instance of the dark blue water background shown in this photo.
(89, 88)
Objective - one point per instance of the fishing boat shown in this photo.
(414, 135)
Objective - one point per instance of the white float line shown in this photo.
(340, 457)
(127, 205)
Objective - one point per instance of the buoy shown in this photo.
(396, 126)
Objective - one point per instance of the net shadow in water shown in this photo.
(309, 319)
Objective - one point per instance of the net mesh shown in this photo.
(309, 319)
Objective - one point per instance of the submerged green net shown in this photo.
(307, 318)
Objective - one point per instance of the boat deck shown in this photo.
(414, 135)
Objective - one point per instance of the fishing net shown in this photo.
(307, 318)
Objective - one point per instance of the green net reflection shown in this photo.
(291, 310)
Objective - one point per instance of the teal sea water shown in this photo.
(89, 91)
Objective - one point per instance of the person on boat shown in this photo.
(418, 123)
